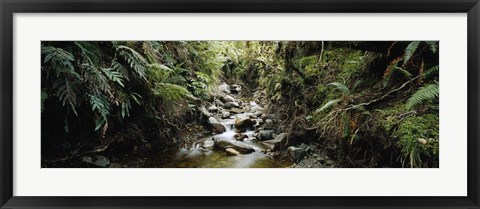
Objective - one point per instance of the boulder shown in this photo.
(276, 143)
(227, 98)
(208, 144)
(205, 112)
(240, 136)
(241, 148)
(219, 128)
(232, 151)
(235, 89)
(243, 122)
(225, 88)
(265, 135)
(296, 154)
(230, 105)
(225, 114)
(236, 110)
(213, 108)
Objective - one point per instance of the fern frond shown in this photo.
(424, 94)
(90, 50)
(389, 71)
(341, 87)
(113, 75)
(61, 61)
(410, 50)
(136, 61)
(431, 72)
(100, 104)
(433, 45)
(66, 94)
(328, 104)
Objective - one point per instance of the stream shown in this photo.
(204, 152)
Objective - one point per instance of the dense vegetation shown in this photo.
(364, 104)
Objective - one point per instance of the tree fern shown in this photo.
(424, 94)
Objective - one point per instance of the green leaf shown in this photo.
(328, 104)
(410, 50)
(341, 87)
(424, 94)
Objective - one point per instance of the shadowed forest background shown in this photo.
(296, 104)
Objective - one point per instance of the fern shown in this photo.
(424, 94)
(100, 104)
(60, 60)
(67, 94)
(341, 87)
(91, 51)
(431, 72)
(410, 50)
(328, 104)
(113, 75)
(433, 45)
(136, 61)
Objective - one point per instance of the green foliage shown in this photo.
(340, 86)
(418, 140)
(136, 61)
(424, 94)
(410, 50)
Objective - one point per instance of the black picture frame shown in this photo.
(9, 7)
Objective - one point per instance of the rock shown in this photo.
(232, 151)
(264, 135)
(225, 88)
(213, 108)
(258, 114)
(276, 143)
(227, 98)
(236, 110)
(219, 128)
(205, 112)
(223, 145)
(235, 89)
(208, 144)
(243, 122)
(296, 154)
(239, 136)
(329, 162)
(219, 103)
(422, 140)
(96, 160)
(230, 105)
(225, 114)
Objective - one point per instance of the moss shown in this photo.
(418, 140)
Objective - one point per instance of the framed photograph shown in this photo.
(239, 104)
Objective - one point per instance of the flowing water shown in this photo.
(201, 154)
